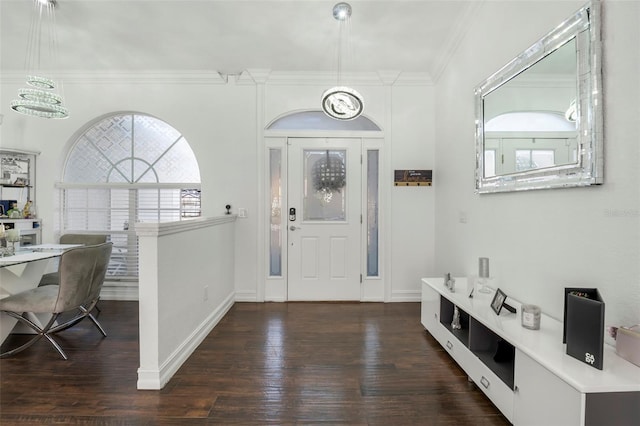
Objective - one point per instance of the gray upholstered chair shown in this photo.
(86, 239)
(53, 278)
(82, 271)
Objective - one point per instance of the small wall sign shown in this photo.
(412, 177)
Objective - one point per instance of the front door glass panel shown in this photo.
(324, 185)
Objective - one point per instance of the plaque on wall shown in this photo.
(412, 177)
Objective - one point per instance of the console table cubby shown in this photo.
(526, 373)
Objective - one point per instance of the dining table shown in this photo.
(22, 271)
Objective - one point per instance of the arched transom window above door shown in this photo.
(318, 120)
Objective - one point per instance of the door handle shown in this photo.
(293, 228)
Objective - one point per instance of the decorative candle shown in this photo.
(483, 267)
(13, 235)
(531, 317)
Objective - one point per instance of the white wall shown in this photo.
(539, 242)
(220, 121)
(217, 119)
(405, 112)
(213, 117)
(412, 208)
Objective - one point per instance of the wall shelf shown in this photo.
(17, 175)
(17, 184)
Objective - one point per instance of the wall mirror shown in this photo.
(539, 118)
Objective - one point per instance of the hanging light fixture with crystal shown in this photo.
(342, 102)
(40, 99)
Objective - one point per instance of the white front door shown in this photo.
(324, 218)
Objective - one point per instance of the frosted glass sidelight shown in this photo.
(275, 231)
(372, 212)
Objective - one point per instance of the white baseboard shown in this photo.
(406, 296)
(120, 291)
(246, 296)
(149, 379)
(157, 379)
(129, 291)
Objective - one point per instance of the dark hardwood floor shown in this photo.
(271, 363)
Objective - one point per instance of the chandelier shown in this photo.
(342, 102)
(40, 99)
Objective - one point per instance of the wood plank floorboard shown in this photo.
(264, 364)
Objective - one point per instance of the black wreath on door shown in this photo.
(329, 173)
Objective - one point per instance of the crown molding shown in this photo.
(213, 77)
(119, 77)
(458, 34)
(413, 79)
(377, 78)
(254, 75)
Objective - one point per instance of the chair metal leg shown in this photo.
(65, 325)
(84, 312)
(97, 324)
(93, 319)
(40, 332)
(56, 345)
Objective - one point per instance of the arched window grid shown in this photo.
(127, 168)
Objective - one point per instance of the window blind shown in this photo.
(112, 209)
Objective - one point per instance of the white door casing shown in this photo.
(324, 240)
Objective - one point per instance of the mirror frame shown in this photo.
(584, 26)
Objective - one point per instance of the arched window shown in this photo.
(318, 120)
(123, 169)
(530, 121)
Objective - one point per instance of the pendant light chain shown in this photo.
(39, 100)
(342, 102)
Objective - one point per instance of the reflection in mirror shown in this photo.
(539, 118)
(525, 120)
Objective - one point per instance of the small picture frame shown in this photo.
(470, 287)
(498, 301)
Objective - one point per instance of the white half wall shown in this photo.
(186, 287)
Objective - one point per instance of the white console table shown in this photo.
(539, 384)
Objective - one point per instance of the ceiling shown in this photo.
(233, 35)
